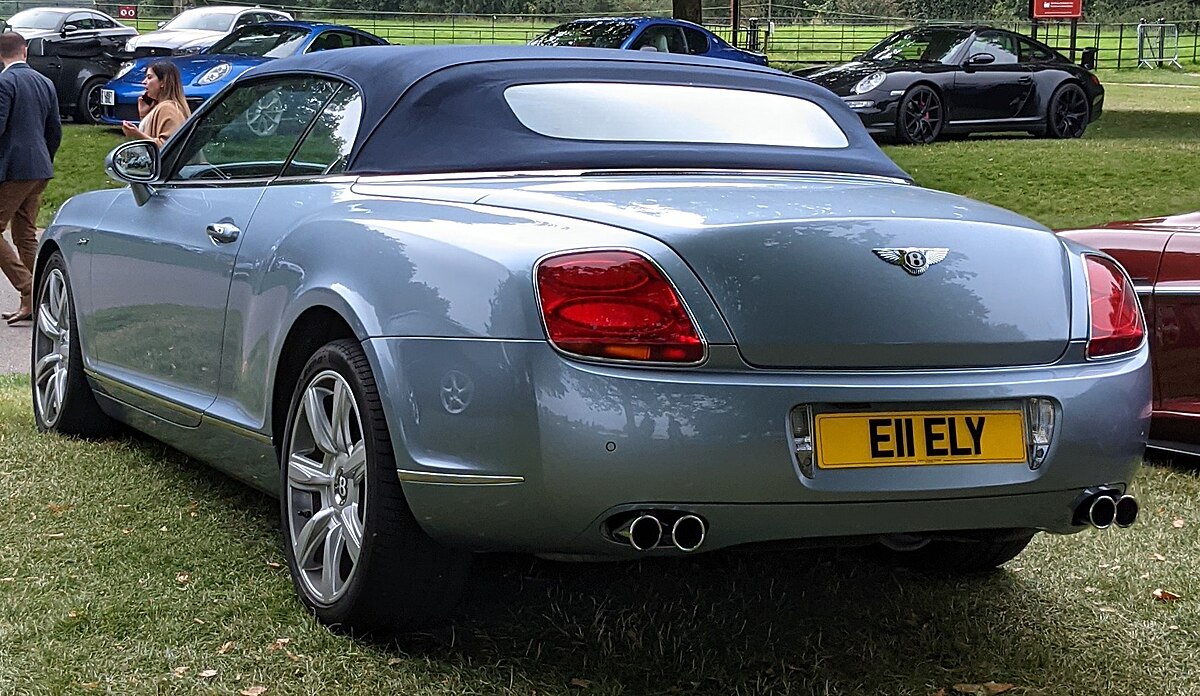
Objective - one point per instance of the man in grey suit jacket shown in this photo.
(29, 137)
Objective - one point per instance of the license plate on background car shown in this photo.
(108, 97)
(915, 438)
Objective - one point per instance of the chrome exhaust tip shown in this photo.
(1101, 511)
(643, 532)
(1126, 511)
(688, 533)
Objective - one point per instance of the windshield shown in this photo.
(204, 20)
(587, 34)
(924, 45)
(264, 42)
(35, 19)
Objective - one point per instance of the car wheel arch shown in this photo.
(312, 328)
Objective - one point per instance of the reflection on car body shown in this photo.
(440, 314)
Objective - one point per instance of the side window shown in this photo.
(245, 20)
(697, 42)
(662, 38)
(102, 22)
(331, 40)
(1032, 53)
(326, 148)
(1000, 46)
(364, 40)
(80, 20)
(250, 134)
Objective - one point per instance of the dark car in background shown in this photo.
(921, 83)
(78, 49)
(1162, 256)
(192, 31)
(659, 34)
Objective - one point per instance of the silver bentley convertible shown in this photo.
(589, 305)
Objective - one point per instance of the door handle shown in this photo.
(223, 232)
(1024, 80)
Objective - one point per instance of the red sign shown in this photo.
(1057, 9)
(127, 12)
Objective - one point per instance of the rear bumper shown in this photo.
(547, 449)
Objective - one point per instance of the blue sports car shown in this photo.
(661, 34)
(206, 73)
(446, 315)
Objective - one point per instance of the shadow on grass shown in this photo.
(736, 621)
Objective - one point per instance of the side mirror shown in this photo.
(68, 28)
(162, 24)
(136, 163)
(981, 59)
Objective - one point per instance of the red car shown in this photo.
(1162, 256)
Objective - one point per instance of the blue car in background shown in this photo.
(207, 73)
(659, 34)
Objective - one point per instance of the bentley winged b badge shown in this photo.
(915, 260)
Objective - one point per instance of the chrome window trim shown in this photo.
(1176, 290)
(369, 179)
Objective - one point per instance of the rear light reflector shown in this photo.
(1116, 317)
(615, 305)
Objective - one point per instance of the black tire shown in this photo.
(921, 116)
(88, 109)
(945, 557)
(61, 380)
(1067, 113)
(401, 579)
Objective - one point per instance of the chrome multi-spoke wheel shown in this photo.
(51, 348)
(921, 117)
(359, 559)
(62, 398)
(326, 486)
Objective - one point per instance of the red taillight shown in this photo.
(617, 305)
(1116, 316)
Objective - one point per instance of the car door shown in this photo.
(990, 91)
(161, 271)
(1177, 331)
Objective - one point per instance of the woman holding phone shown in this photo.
(163, 108)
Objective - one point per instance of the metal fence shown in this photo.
(796, 34)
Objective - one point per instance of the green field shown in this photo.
(791, 42)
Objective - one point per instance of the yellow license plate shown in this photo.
(914, 438)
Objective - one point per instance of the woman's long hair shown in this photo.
(170, 85)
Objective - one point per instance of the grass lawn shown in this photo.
(127, 569)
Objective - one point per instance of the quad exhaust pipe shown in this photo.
(647, 530)
(1102, 508)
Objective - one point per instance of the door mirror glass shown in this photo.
(135, 163)
(981, 59)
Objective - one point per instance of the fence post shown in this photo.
(1195, 39)
(1120, 43)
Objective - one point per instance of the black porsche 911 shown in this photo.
(921, 83)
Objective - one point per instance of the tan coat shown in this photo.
(164, 119)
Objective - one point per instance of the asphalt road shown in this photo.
(14, 340)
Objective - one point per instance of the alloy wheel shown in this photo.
(1071, 112)
(921, 117)
(263, 117)
(94, 109)
(326, 487)
(52, 348)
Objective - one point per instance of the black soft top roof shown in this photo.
(438, 109)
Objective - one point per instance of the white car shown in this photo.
(195, 30)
